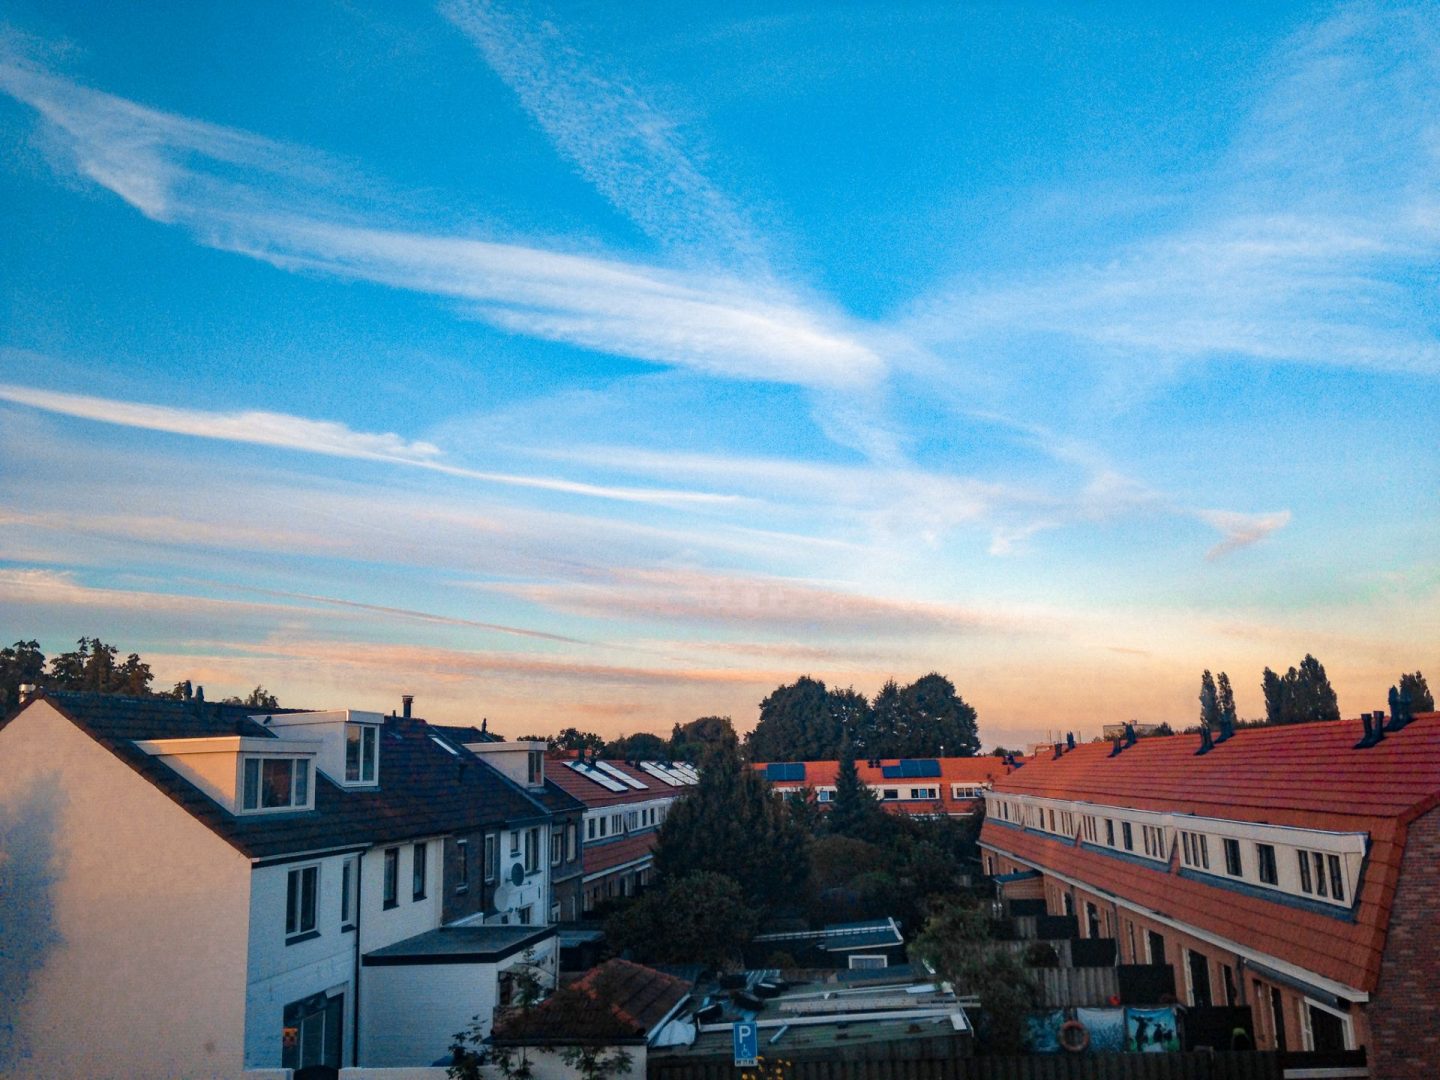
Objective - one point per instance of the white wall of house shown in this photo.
(549, 1064)
(125, 922)
(281, 972)
(381, 926)
(534, 889)
(412, 1010)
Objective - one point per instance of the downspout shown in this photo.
(355, 1026)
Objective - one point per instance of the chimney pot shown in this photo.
(408, 702)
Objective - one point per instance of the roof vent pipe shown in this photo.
(407, 702)
(1206, 743)
(1059, 749)
(1117, 748)
(1070, 740)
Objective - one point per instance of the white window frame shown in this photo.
(302, 784)
(491, 870)
(462, 865)
(884, 961)
(294, 894)
(349, 891)
(1308, 1036)
(369, 740)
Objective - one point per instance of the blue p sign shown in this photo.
(746, 1037)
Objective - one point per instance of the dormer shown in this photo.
(349, 742)
(245, 774)
(523, 762)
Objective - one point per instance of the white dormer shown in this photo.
(523, 762)
(349, 741)
(244, 774)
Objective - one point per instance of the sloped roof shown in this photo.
(423, 791)
(1306, 776)
(617, 1002)
(596, 795)
(952, 770)
(601, 855)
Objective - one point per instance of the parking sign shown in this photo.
(746, 1037)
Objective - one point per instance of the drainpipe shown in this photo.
(355, 1026)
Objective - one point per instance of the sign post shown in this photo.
(746, 1037)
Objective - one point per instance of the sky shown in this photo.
(608, 365)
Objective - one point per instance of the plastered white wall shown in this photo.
(380, 926)
(411, 1011)
(125, 919)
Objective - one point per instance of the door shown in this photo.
(1092, 919)
(1277, 1012)
(1157, 946)
(313, 1032)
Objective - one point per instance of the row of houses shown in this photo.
(920, 787)
(199, 889)
(1293, 870)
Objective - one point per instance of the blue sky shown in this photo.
(610, 364)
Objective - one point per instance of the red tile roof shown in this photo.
(617, 1002)
(953, 770)
(605, 854)
(1305, 776)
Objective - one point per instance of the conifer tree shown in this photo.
(1209, 702)
(855, 811)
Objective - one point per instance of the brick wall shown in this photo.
(1405, 1008)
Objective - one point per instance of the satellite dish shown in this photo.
(502, 899)
(517, 874)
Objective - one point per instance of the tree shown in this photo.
(1414, 684)
(885, 732)
(855, 811)
(1209, 702)
(1225, 694)
(259, 698)
(796, 724)
(695, 740)
(1273, 687)
(731, 824)
(22, 664)
(698, 917)
(92, 666)
(956, 942)
(1300, 696)
(574, 739)
(940, 722)
(642, 746)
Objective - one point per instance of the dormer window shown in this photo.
(275, 784)
(360, 752)
(537, 768)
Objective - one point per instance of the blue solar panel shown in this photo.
(912, 769)
(785, 770)
(892, 772)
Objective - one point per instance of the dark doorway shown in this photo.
(1069, 902)
(1157, 947)
(314, 1032)
(1327, 1031)
(1200, 979)
(1092, 920)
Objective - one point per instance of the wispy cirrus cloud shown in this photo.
(243, 193)
(632, 152)
(317, 437)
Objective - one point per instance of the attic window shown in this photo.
(360, 753)
(537, 768)
(275, 784)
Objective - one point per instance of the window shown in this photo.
(515, 842)
(1337, 879)
(417, 874)
(590, 829)
(1154, 839)
(391, 888)
(1127, 836)
(632, 820)
(617, 824)
(302, 885)
(890, 793)
(1305, 883)
(348, 871)
(536, 773)
(524, 915)
(1197, 849)
(275, 783)
(557, 849)
(1265, 856)
(360, 753)
(1233, 866)
(462, 865)
(824, 795)
(1087, 825)
(492, 858)
(868, 962)
(532, 850)
(1052, 820)
(1110, 832)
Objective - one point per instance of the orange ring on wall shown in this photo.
(1082, 1043)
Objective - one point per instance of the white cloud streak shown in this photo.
(239, 192)
(318, 437)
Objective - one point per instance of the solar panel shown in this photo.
(781, 771)
(600, 778)
(912, 769)
(622, 776)
(673, 779)
(681, 768)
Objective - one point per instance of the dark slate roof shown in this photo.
(422, 790)
(617, 1002)
(460, 945)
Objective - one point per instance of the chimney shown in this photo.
(1058, 751)
(407, 702)
(1206, 743)
(1130, 735)
(1368, 739)
(1070, 740)
(200, 694)
(27, 691)
(1117, 748)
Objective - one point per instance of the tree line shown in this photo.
(1302, 695)
(96, 667)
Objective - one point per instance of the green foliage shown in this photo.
(94, 666)
(642, 746)
(731, 824)
(596, 1063)
(21, 664)
(1300, 696)
(956, 942)
(694, 741)
(1225, 695)
(259, 698)
(805, 721)
(855, 810)
(1415, 686)
(1209, 702)
(804, 807)
(700, 917)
